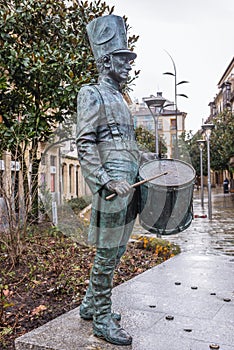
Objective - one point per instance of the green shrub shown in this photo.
(79, 203)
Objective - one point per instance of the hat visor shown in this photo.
(131, 54)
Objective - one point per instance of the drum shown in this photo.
(165, 203)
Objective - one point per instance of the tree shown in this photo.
(45, 58)
(222, 140)
(190, 153)
(146, 141)
(221, 144)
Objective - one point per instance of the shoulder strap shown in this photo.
(109, 114)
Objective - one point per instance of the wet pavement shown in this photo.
(185, 303)
(204, 236)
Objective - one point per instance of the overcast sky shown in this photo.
(198, 34)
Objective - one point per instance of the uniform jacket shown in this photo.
(107, 150)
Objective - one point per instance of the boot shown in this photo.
(87, 307)
(104, 325)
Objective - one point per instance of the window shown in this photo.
(70, 178)
(43, 181)
(77, 181)
(52, 182)
(53, 160)
(160, 124)
(173, 139)
(226, 90)
(43, 159)
(173, 124)
(1, 181)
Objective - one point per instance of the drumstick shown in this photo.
(138, 184)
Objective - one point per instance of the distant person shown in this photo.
(225, 185)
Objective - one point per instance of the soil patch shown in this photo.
(52, 276)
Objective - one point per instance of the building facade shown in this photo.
(224, 100)
(60, 171)
(170, 122)
(59, 178)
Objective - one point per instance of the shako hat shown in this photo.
(107, 35)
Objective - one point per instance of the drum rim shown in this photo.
(148, 184)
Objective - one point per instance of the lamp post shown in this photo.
(183, 95)
(201, 144)
(155, 104)
(207, 128)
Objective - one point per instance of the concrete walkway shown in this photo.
(185, 303)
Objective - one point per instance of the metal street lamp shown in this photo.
(183, 95)
(201, 144)
(155, 104)
(208, 128)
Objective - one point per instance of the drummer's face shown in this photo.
(119, 67)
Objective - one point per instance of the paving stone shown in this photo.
(226, 314)
(150, 341)
(206, 346)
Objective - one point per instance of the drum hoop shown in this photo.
(170, 187)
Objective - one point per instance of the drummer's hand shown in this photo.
(147, 156)
(121, 187)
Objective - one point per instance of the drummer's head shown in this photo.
(116, 66)
(108, 40)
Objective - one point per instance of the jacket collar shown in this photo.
(109, 82)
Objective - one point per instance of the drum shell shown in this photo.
(166, 210)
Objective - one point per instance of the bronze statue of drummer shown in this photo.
(109, 159)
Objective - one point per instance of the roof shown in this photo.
(228, 69)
